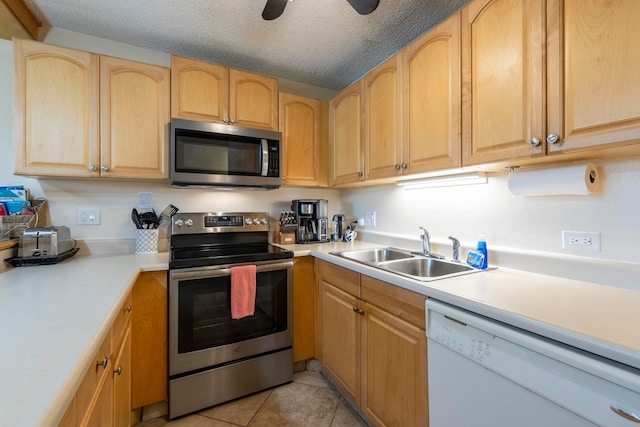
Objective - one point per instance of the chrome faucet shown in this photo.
(456, 249)
(426, 245)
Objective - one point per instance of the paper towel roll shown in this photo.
(575, 179)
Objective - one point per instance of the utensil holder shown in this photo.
(147, 241)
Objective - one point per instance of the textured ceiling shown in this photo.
(323, 43)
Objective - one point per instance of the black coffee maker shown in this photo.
(311, 217)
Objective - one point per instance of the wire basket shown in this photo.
(12, 226)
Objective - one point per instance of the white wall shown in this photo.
(116, 198)
(513, 222)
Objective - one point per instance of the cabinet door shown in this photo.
(300, 127)
(394, 370)
(346, 141)
(593, 78)
(149, 339)
(253, 100)
(122, 383)
(303, 308)
(432, 98)
(101, 413)
(56, 110)
(382, 138)
(502, 76)
(199, 90)
(134, 118)
(341, 329)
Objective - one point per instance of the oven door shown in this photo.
(202, 333)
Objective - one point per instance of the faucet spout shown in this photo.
(426, 245)
(456, 249)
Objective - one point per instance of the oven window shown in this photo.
(204, 311)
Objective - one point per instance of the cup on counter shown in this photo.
(147, 241)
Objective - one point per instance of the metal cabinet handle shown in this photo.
(397, 166)
(104, 363)
(360, 174)
(626, 414)
(128, 309)
(92, 168)
(104, 168)
(404, 166)
(233, 121)
(358, 310)
(534, 141)
(118, 371)
(226, 120)
(553, 138)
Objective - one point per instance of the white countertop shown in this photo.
(55, 317)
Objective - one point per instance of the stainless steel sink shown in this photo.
(406, 263)
(375, 256)
(421, 268)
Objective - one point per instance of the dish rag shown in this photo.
(243, 291)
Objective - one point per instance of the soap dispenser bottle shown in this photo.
(482, 248)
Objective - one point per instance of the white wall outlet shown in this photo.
(145, 200)
(370, 219)
(581, 240)
(88, 216)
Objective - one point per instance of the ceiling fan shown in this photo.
(275, 8)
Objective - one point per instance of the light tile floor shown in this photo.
(309, 401)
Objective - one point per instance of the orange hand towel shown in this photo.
(243, 291)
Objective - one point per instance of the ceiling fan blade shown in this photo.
(273, 9)
(364, 7)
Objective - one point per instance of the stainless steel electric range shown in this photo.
(214, 358)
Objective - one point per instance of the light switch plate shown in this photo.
(145, 200)
(88, 216)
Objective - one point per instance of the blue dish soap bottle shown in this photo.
(482, 248)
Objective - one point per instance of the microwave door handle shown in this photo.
(265, 157)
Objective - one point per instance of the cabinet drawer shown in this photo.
(93, 377)
(342, 278)
(402, 303)
(122, 320)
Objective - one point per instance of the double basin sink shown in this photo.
(410, 264)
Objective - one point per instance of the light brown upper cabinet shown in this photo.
(590, 73)
(300, 127)
(503, 111)
(382, 125)
(134, 117)
(431, 100)
(346, 136)
(76, 118)
(593, 75)
(204, 91)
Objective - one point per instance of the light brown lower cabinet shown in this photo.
(370, 339)
(136, 343)
(302, 308)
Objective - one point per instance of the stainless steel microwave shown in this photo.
(217, 155)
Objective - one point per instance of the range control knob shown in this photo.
(188, 222)
(263, 221)
(247, 221)
(256, 221)
(178, 223)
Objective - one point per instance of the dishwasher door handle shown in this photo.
(625, 414)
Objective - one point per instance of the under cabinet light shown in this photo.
(445, 181)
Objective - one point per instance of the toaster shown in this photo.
(45, 241)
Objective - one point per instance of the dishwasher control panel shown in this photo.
(460, 337)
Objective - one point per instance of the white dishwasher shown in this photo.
(484, 373)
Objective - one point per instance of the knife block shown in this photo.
(284, 238)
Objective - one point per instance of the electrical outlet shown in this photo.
(88, 216)
(581, 240)
(370, 219)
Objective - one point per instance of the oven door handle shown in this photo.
(220, 272)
